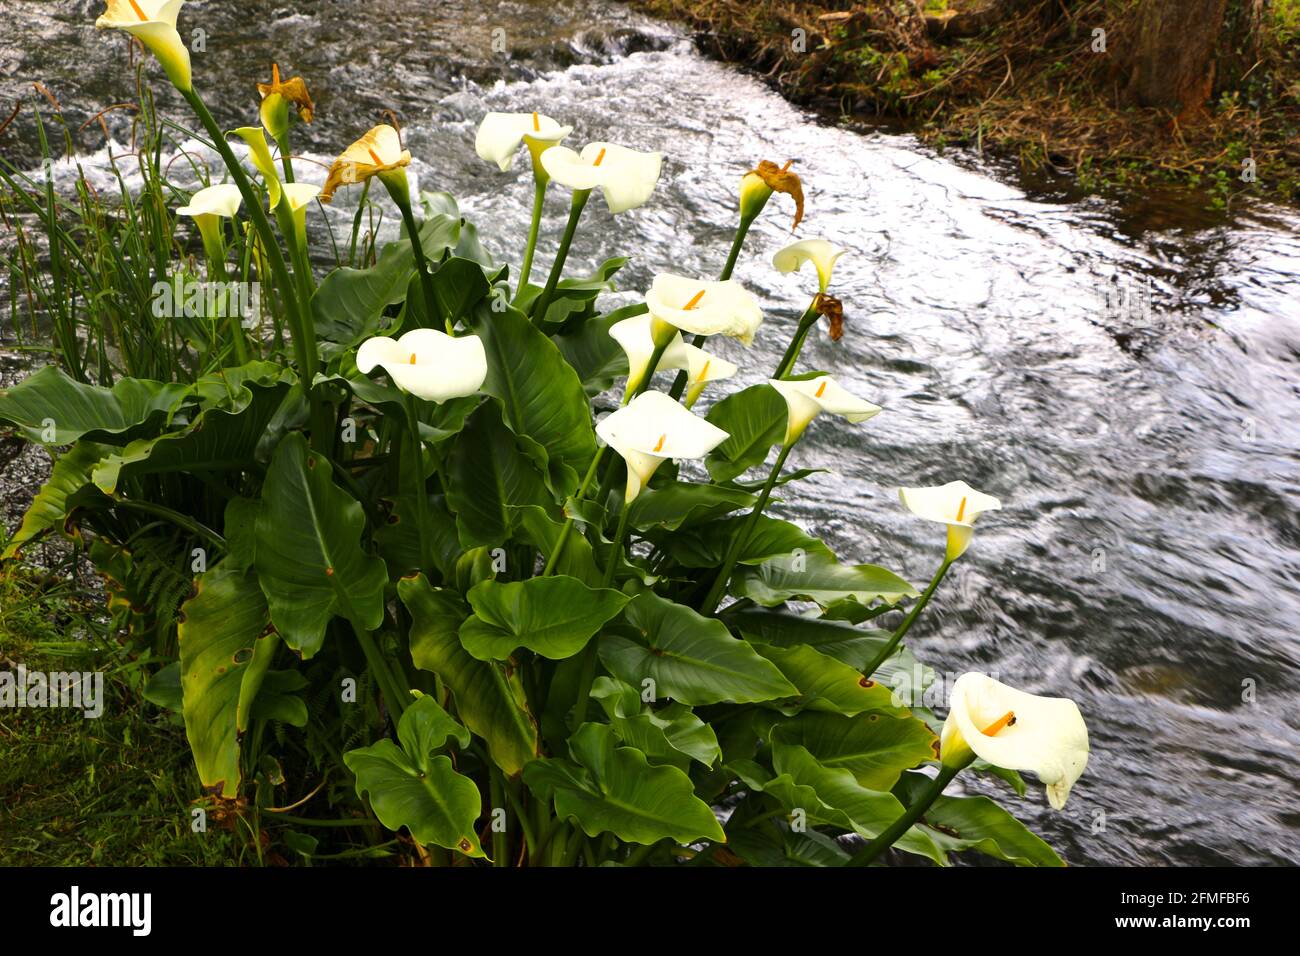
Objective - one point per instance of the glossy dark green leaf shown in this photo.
(51, 408)
(670, 734)
(309, 558)
(707, 545)
(594, 354)
(875, 748)
(410, 787)
(755, 420)
(690, 658)
(977, 823)
(542, 400)
(490, 703)
(615, 790)
(681, 504)
(826, 684)
(49, 509)
(817, 576)
(488, 477)
(553, 616)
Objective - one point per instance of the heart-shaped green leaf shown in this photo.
(553, 616)
(691, 658)
(410, 787)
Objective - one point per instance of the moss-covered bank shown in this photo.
(1048, 81)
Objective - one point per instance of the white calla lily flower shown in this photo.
(207, 208)
(651, 429)
(300, 196)
(805, 399)
(153, 23)
(501, 134)
(428, 364)
(637, 341)
(822, 254)
(222, 201)
(956, 505)
(703, 307)
(1015, 731)
(625, 176)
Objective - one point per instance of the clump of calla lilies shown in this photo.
(571, 656)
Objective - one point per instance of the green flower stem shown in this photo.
(739, 541)
(888, 650)
(580, 197)
(608, 479)
(539, 201)
(286, 160)
(886, 839)
(530, 836)
(738, 243)
(568, 522)
(403, 202)
(214, 247)
(806, 322)
(500, 841)
(388, 684)
(416, 478)
(299, 321)
(640, 854)
(589, 654)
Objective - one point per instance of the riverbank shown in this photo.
(1030, 79)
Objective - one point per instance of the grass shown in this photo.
(117, 790)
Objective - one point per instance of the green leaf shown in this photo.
(164, 689)
(875, 749)
(831, 797)
(553, 616)
(541, 531)
(680, 504)
(706, 546)
(977, 823)
(779, 846)
(755, 419)
(615, 790)
(691, 658)
(49, 509)
(219, 439)
(826, 684)
(857, 647)
(349, 304)
(542, 400)
(458, 285)
(671, 734)
(594, 354)
(223, 657)
(309, 558)
(409, 787)
(52, 408)
(488, 476)
(490, 703)
(398, 538)
(818, 577)
(575, 298)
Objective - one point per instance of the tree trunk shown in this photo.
(1172, 63)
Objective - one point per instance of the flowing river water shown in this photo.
(1121, 374)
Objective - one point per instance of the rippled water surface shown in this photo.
(1122, 376)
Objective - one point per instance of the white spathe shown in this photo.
(805, 399)
(222, 200)
(625, 176)
(1016, 731)
(153, 23)
(651, 429)
(427, 363)
(300, 195)
(704, 307)
(822, 254)
(501, 134)
(955, 504)
(637, 341)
